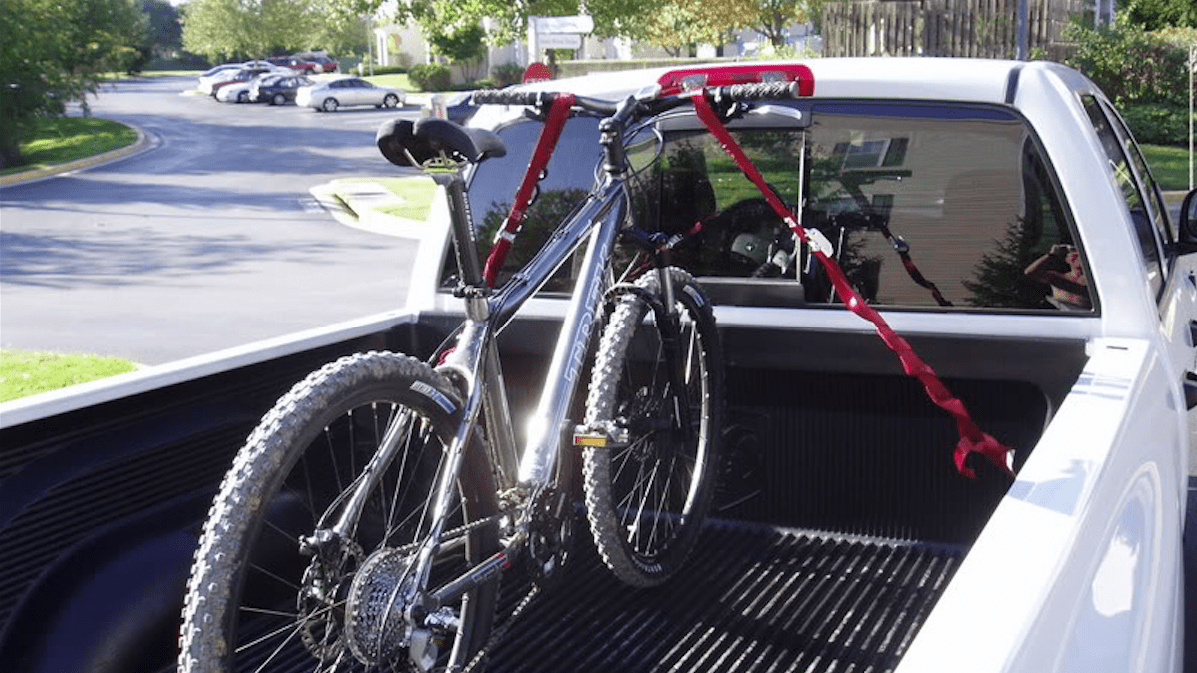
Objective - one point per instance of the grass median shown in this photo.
(59, 140)
(24, 372)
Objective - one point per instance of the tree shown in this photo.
(228, 28)
(53, 53)
(675, 24)
(165, 34)
(462, 46)
(1160, 14)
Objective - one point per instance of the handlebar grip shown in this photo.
(503, 97)
(757, 91)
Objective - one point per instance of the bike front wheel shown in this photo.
(270, 588)
(648, 492)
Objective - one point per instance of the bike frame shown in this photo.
(474, 365)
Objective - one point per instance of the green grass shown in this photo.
(398, 80)
(58, 140)
(24, 373)
(1169, 166)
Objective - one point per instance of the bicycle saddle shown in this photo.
(402, 141)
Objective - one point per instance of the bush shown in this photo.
(507, 74)
(1157, 124)
(430, 77)
(1132, 66)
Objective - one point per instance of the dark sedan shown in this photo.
(278, 90)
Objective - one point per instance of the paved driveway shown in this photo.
(206, 241)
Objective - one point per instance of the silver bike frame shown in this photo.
(474, 362)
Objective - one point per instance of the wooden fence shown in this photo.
(970, 28)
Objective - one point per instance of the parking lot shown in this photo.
(208, 239)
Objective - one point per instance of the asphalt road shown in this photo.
(208, 240)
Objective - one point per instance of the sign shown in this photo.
(561, 24)
(537, 72)
(559, 41)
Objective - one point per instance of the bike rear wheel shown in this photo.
(646, 495)
(255, 602)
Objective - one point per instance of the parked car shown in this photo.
(210, 72)
(299, 65)
(242, 76)
(277, 89)
(331, 94)
(218, 74)
(239, 92)
(459, 107)
(321, 63)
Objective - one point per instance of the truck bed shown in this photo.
(839, 520)
(753, 598)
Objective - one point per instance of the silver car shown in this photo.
(328, 95)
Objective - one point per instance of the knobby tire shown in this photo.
(646, 500)
(248, 570)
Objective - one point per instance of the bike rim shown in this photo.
(657, 477)
(281, 615)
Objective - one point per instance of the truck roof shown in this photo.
(959, 79)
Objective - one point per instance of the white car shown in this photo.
(330, 94)
(206, 81)
(237, 92)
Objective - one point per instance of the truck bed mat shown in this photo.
(751, 598)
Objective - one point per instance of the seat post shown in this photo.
(464, 245)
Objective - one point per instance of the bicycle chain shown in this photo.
(497, 634)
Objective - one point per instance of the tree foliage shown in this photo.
(258, 28)
(52, 53)
(164, 33)
(1160, 14)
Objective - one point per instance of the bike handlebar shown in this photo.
(756, 91)
(505, 97)
(753, 91)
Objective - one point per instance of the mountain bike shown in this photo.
(369, 519)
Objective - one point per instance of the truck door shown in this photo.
(1172, 276)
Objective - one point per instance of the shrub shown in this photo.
(507, 74)
(1130, 65)
(1157, 124)
(430, 77)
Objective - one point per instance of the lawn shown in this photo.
(1169, 165)
(58, 140)
(398, 80)
(24, 373)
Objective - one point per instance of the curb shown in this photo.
(142, 143)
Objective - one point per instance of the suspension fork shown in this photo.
(671, 342)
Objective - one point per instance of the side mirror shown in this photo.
(1186, 230)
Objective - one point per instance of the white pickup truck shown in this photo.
(1000, 218)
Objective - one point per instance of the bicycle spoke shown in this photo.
(289, 583)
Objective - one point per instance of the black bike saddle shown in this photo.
(402, 141)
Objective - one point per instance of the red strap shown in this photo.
(972, 439)
(558, 114)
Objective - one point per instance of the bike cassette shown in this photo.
(376, 609)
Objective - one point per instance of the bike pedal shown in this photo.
(586, 438)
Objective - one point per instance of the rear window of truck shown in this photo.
(940, 206)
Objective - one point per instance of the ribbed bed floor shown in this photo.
(752, 598)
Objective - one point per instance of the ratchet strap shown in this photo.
(549, 135)
(903, 250)
(972, 439)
